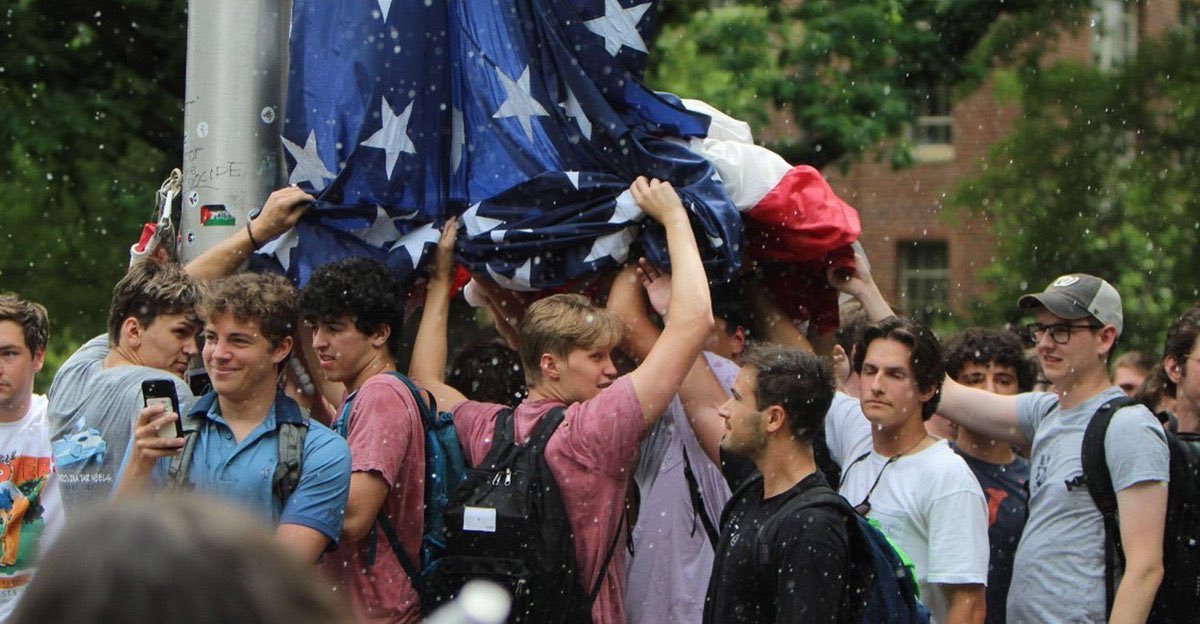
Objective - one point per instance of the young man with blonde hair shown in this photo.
(249, 322)
(566, 346)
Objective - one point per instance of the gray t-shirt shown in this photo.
(1058, 571)
(91, 415)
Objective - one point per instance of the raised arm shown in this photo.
(992, 415)
(283, 209)
(701, 392)
(658, 377)
(769, 320)
(861, 285)
(428, 364)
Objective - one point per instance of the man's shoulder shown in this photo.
(619, 399)
(387, 389)
(323, 440)
(815, 507)
(945, 470)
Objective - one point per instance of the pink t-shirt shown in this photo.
(591, 455)
(385, 437)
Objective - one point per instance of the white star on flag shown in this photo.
(282, 248)
(476, 224)
(520, 279)
(575, 111)
(414, 242)
(382, 231)
(619, 26)
(384, 7)
(309, 167)
(392, 138)
(616, 244)
(519, 102)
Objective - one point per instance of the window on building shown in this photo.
(924, 275)
(932, 132)
(1114, 32)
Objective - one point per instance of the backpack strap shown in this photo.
(698, 508)
(612, 550)
(542, 432)
(291, 426)
(1099, 484)
(410, 568)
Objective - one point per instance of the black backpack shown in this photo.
(1180, 590)
(881, 588)
(507, 524)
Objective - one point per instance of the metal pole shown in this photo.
(232, 115)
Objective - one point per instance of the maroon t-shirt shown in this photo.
(385, 438)
(592, 457)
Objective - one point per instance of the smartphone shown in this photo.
(162, 392)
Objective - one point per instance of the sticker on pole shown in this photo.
(216, 214)
(267, 115)
(193, 199)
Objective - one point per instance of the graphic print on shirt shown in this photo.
(22, 479)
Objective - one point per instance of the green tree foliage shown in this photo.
(92, 100)
(1099, 176)
(848, 74)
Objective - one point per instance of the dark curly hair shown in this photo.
(981, 345)
(926, 356)
(489, 372)
(362, 288)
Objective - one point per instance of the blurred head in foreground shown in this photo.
(173, 559)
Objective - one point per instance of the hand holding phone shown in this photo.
(162, 392)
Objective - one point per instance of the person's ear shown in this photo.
(39, 359)
(774, 419)
(131, 332)
(928, 394)
(1174, 369)
(738, 342)
(549, 366)
(1108, 337)
(281, 351)
(380, 336)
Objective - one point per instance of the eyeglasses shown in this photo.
(1060, 334)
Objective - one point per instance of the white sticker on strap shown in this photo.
(479, 519)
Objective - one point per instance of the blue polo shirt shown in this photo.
(242, 472)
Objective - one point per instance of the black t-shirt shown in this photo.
(1004, 487)
(802, 577)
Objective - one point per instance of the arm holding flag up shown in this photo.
(667, 364)
(280, 213)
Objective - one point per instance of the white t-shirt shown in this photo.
(932, 507)
(847, 430)
(31, 512)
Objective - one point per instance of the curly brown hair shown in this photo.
(267, 298)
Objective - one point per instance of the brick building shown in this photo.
(928, 262)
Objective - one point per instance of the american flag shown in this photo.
(527, 117)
